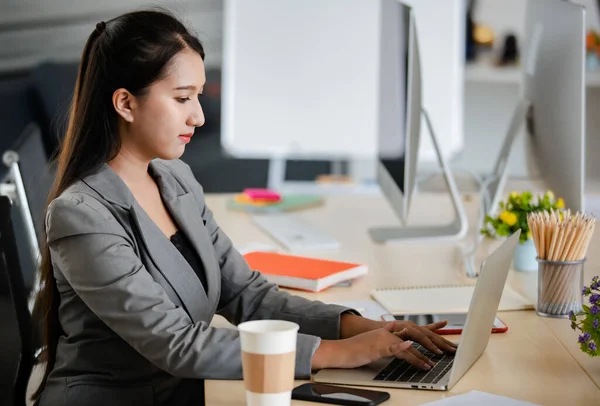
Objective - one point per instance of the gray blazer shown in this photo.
(135, 316)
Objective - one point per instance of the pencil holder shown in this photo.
(560, 285)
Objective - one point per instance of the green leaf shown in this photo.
(503, 230)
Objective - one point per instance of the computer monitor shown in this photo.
(552, 105)
(399, 128)
(552, 102)
(299, 79)
(399, 106)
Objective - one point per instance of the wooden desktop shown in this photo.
(537, 360)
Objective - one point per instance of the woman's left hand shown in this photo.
(352, 325)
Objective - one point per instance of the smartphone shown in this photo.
(338, 395)
(456, 321)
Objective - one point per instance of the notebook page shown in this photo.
(441, 299)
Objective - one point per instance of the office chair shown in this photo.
(36, 172)
(15, 311)
(36, 177)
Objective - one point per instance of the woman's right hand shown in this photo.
(366, 348)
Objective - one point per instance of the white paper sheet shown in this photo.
(477, 398)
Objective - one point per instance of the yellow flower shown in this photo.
(514, 195)
(508, 217)
(550, 194)
(560, 203)
(560, 214)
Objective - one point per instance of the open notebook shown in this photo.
(441, 299)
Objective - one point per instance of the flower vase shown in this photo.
(524, 258)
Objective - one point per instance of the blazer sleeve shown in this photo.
(246, 294)
(92, 251)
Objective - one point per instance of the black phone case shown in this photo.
(318, 399)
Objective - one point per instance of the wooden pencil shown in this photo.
(568, 291)
(558, 239)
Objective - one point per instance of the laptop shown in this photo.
(449, 368)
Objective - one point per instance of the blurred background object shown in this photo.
(593, 49)
(40, 46)
(483, 36)
(478, 38)
(509, 54)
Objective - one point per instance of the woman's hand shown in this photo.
(425, 335)
(362, 349)
(351, 325)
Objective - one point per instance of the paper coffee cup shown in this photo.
(268, 361)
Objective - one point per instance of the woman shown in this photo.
(136, 267)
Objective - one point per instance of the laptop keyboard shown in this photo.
(398, 370)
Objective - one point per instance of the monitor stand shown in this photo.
(456, 229)
(493, 186)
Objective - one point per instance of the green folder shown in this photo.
(287, 203)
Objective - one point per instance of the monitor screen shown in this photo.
(395, 39)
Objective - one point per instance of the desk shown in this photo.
(536, 360)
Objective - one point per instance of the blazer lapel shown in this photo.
(187, 213)
(169, 262)
(172, 265)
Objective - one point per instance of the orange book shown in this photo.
(303, 273)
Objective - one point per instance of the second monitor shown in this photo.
(400, 112)
(552, 103)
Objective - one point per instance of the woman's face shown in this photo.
(162, 121)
